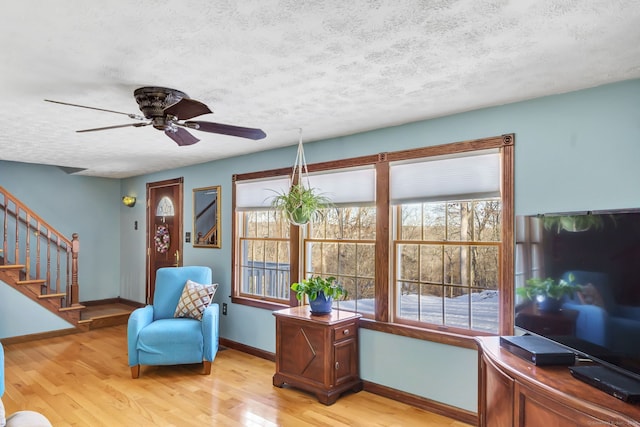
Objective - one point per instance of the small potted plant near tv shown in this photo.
(320, 291)
(548, 293)
(300, 204)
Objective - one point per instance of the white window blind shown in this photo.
(452, 178)
(258, 194)
(351, 186)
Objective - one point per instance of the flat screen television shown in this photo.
(600, 251)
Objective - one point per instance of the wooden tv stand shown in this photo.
(514, 392)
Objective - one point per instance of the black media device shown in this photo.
(614, 383)
(537, 350)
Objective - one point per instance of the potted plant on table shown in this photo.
(548, 293)
(320, 291)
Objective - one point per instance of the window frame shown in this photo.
(309, 240)
(383, 279)
(243, 239)
(398, 242)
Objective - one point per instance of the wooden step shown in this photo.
(45, 296)
(72, 308)
(12, 267)
(31, 282)
(109, 320)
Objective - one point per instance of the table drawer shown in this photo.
(344, 332)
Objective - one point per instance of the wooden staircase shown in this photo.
(38, 261)
(36, 290)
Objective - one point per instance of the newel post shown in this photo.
(72, 292)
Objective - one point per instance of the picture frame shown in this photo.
(207, 202)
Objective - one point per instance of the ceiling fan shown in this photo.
(166, 109)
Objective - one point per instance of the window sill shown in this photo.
(442, 337)
(268, 305)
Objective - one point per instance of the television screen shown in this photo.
(590, 261)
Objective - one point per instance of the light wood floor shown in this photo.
(104, 310)
(83, 380)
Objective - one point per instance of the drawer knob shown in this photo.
(346, 332)
(337, 365)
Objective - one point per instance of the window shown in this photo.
(264, 256)
(263, 244)
(341, 243)
(447, 240)
(447, 263)
(422, 239)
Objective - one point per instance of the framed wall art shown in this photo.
(206, 217)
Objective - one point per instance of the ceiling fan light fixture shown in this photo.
(160, 123)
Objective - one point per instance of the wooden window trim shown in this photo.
(381, 162)
(447, 337)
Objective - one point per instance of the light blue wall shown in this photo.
(574, 151)
(71, 204)
(21, 316)
(439, 372)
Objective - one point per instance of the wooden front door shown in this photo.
(164, 228)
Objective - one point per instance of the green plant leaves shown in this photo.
(313, 285)
(300, 204)
(548, 288)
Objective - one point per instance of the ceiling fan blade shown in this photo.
(242, 132)
(181, 136)
(187, 108)
(133, 116)
(137, 125)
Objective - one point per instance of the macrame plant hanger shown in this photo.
(301, 203)
(300, 166)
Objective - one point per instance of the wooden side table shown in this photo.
(318, 354)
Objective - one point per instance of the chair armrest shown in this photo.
(139, 318)
(591, 323)
(211, 330)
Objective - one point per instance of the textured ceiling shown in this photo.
(330, 67)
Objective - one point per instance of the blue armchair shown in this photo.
(155, 336)
(20, 418)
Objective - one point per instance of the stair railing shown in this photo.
(20, 227)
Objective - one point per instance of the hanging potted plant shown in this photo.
(300, 203)
(320, 292)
